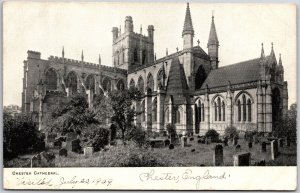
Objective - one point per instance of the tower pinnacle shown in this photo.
(213, 44)
(63, 52)
(213, 38)
(188, 25)
(262, 55)
(99, 59)
(82, 57)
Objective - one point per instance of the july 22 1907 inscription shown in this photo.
(149, 96)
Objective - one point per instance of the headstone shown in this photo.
(71, 136)
(208, 140)
(250, 145)
(193, 150)
(192, 139)
(167, 142)
(274, 149)
(63, 152)
(243, 159)
(88, 151)
(171, 146)
(76, 145)
(64, 145)
(183, 141)
(47, 159)
(57, 144)
(281, 142)
(218, 155)
(51, 137)
(35, 161)
(263, 147)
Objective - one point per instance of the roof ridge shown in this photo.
(238, 63)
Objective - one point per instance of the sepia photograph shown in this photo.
(123, 86)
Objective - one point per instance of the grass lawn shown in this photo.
(179, 156)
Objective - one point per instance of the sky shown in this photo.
(47, 27)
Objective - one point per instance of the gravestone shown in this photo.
(76, 145)
(255, 139)
(51, 137)
(57, 144)
(193, 150)
(192, 139)
(171, 146)
(218, 155)
(64, 144)
(88, 151)
(243, 159)
(250, 145)
(183, 141)
(35, 161)
(263, 147)
(281, 143)
(63, 152)
(167, 142)
(47, 159)
(208, 140)
(274, 149)
(71, 136)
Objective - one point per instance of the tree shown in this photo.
(73, 116)
(20, 134)
(121, 102)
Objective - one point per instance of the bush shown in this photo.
(136, 134)
(249, 134)
(20, 134)
(213, 134)
(231, 132)
(96, 136)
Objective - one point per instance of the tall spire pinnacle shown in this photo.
(63, 52)
(167, 51)
(141, 29)
(82, 57)
(272, 54)
(188, 25)
(213, 38)
(99, 59)
(262, 54)
(279, 61)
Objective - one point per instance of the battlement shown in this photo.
(68, 61)
(33, 54)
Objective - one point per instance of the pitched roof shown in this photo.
(177, 83)
(242, 72)
(213, 38)
(199, 52)
(188, 25)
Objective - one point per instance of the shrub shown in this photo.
(96, 136)
(20, 135)
(231, 132)
(213, 134)
(136, 134)
(171, 130)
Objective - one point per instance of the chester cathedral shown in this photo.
(186, 88)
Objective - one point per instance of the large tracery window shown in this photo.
(178, 116)
(141, 84)
(167, 120)
(72, 83)
(51, 79)
(244, 108)
(219, 109)
(154, 110)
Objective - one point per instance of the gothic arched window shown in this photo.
(135, 55)
(150, 82)
(249, 110)
(216, 111)
(199, 113)
(144, 57)
(178, 116)
(239, 110)
(143, 111)
(90, 83)
(154, 110)
(131, 84)
(167, 115)
(120, 85)
(141, 84)
(219, 109)
(203, 115)
(244, 108)
(51, 79)
(223, 109)
(72, 82)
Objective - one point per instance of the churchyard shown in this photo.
(188, 151)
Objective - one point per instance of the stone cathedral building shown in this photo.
(186, 88)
